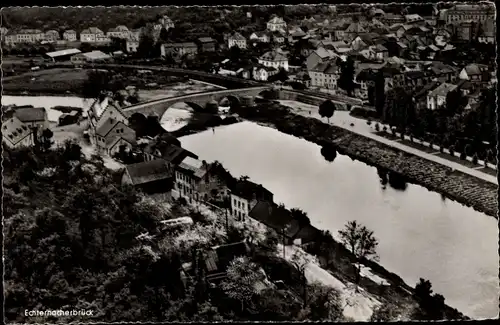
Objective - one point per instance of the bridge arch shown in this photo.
(230, 100)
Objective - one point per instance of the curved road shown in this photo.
(341, 119)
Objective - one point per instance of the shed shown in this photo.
(62, 55)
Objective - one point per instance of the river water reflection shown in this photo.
(420, 234)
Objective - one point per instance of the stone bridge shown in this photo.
(197, 101)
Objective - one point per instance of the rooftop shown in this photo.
(206, 39)
(91, 30)
(96, 55)
(442, 90)
(148, 171)
(237, 36)
(106, 127)
(274, 56)
(275, 217)
(184, 44)
(63, 52)
(247, 190)
(276, 20)
(193, 165)
(31, 114)
(14, 130)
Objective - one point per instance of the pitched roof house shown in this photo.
(113, 134)
(33, 117)
(275, 59)
(152, 176)
(15, 133)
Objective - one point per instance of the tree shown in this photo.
(282, 76)
(431, 306)
(146, 48)
(329, 152)
(346, 79)
(360, 241)
(46, 141)
(242, 275)
(379, 92)
(326, 109)
(300, 216)
(164, 34)
(324, 303)
(455, 102)
(386, 313)
(96, 85)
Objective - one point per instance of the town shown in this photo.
(419, 80)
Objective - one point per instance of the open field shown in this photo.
(53, 81)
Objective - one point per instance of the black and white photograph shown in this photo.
(250, 163)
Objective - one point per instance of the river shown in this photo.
(420, 234)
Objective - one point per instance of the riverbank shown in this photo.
(465, 189)
(333, 256)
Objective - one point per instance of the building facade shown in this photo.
(69, 35)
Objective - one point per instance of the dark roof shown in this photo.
(389, 71)
(326, 67)
(14, 130)
(247, 189)
(175, 154)
(218, 258)
(275, 217)
(107, 126)
(365, 75)
(308, 234)
(414, 74)
(465, 84)
(206, 39)
(148, 171)
(425, 89)
(30, 114)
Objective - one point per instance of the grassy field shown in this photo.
(47, 81)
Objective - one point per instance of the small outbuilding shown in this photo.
(62, 55)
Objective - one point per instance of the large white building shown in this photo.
(276, 24)
(237, 40)
(274, 59)
(119, 32)
(91, 34)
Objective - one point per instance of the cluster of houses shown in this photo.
(376, 43)
(92, 35)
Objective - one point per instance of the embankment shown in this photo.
(466, 189)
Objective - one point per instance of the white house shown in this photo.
(437, 97)
(263, 37)
(276, 24)
(119, 32)
(237, 40)
(263, 73)
(473, 72)
(69, 35)
(166, 22)
(132, 46)
(244, 196)
(90, 35)
(275, 59)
